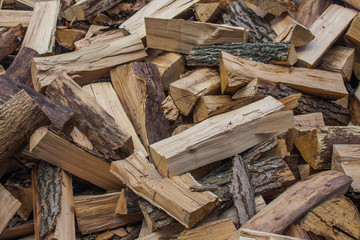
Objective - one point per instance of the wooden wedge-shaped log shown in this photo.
(175, 155)
(181, 36)
(237, 72)
(53, 203)
(93, 120)
(166, 9)
(87, 64)
(316, 146)
(138, 86)
(172, 195)
(326, 29)
(186, 91)
(300, 197)
(336, 218)
(11, 18)
(10, 206)
(95, 213)
(52, 148)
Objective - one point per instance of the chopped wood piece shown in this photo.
(127, 203)
(204, 188)
(88, 63)
(275, 7)
(95, 213)
(171, 65)
(92, 119)
(12, 18)
(104, 37)
(317, 187)
(310, 10)
(9, 207)
(172, 194)
(276, 53)
(186, 91)
(24, 195)
(164, 234)
(291, 101)
(237, 72)
(121, 232)
(10, 40)
(304, 171)
(243, 193)
(19, 231)
(280, 150)
(248, 234)
(218, 230)
(352, 36)
(242, 16)
(138, 86)
(52, 148)
(265, 124)
(255, 152)
(105, 236)
(174, 155)
(165, 9)
(20, 68)
(336, 218)
(67, 37)
(40, 34)
(81, 139)
(311, 119)
(145, 230)
(339, 59)
(181, 36)
(316, 146)
(106, 96)
(295, 230)
(208, 12)
(171, 112)
(346, 159)
(181, 128)
(288, 29)
(19, 118)
(86, 9)
(326, 29)
(53, 203)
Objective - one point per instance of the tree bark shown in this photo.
(10, 40)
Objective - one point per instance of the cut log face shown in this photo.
(101, 129)
(164, 34)
(40, 34)
(207, 104)
(300, 197)
(138, 86)
(171, 112)
(172, 195)
(316, 146)
(53, 203)
(186, 91)
(67, 37)
(326, 29)
(237, 72)
(11, 18)
(157, 8)
(52, 148)
(95, 213)
(88, 63)
(9, 207)
(208, 12)
(352, 36)
(276, 53)
(336, 218)
(310, 10)
(346, 159)
(174, 155)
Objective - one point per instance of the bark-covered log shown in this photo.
(276, 53)
(242, 16)
(10, 40)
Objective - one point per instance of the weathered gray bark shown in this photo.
(242, 16)
(260, 52)
(156, 218)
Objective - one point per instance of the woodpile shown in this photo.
(180, 119)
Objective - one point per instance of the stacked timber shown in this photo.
(180, 119)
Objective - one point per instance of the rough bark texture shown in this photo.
(19, 118)
(10, 40)
(243, 194)
(92, 119)
(254, 153)
(155, 218)
(20, 68)
(242, 16)
(260, 52)
(334, 114)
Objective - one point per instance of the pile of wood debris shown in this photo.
(180, 119)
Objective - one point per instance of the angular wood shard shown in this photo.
(10, 40)
(207, 12)
(11, 18)
(300, 198)
(170, 194)
(52, 148)
(237, 72)
(181, 36)
(175, 155)
(10, 206)
(100, 37)
(88, 63)
(337, 218)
